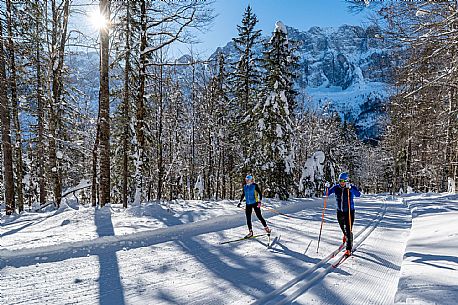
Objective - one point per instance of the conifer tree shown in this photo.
(274, 115)
(245, 84)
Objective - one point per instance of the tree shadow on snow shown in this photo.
(427, 258)
(247, 275)
(110, 287)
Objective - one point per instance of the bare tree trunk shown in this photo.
(58, 40)
(15, 106)
(95, 152)
(193, 115)
(209, 184)
(218, 172)
(171, 154)
(160, 161)
(40, 117)
(125, 139)
(53, 111)
(140, 114)
(6, 137)
(448, 141)
(104, 106)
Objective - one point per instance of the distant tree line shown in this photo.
(420, 145)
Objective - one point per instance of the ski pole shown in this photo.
(277, 212)
(322, 220)
(349, 214)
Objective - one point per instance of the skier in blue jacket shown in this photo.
(253, 197)
(342, 190)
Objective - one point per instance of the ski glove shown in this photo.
(348, 185)
(239, 205)
(259, 204)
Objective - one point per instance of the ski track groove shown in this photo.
(307, 279)
(43, 272)
(379, 265)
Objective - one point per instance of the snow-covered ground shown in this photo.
(171, 254)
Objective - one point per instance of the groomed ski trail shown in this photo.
(376, 261)
(182, 264)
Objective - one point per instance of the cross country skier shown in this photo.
(345, 218)
(253, 197)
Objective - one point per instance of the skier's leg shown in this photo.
(341, 220)
(248, 211)
(348, 232)
(259, 215)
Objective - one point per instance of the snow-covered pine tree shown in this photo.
(58, 41)
(175, 126)
(226, 152)
(124, 77)
(30, 59)
(217, 148)
(245, 82)
(274, 116)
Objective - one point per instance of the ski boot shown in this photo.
(249, 235)
(267, 229)
(347, 252)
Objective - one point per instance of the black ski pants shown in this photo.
(249, 210)
(344, 223)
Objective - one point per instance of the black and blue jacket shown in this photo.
(251, 193)
(342, 196)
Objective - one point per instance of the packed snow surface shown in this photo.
(170, 253)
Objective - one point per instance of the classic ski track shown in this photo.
(177, 232)
(308, 278)
(85, 293)
(371, 266)
(85, 255)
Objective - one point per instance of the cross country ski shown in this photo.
(342, 259)
(243, 238)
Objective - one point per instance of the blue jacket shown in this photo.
(252, 193)
(342, 196)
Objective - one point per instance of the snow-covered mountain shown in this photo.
(345, 69)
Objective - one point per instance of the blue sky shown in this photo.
(300, 14)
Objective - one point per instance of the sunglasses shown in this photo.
(340, 181)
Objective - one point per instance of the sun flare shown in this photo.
(98, 20)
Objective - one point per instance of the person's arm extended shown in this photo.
(257, 189)
(243, 195)
(355, 191)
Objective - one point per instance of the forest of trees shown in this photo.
(163, 129)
